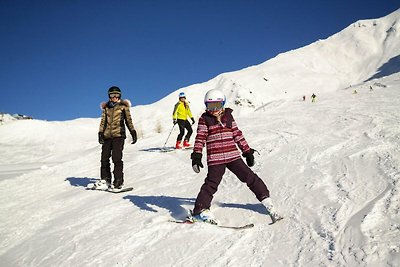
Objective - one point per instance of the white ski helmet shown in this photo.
(214, 95)
(182, 94)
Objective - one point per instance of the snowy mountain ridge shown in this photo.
(365, 50)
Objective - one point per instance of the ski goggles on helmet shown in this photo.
(212, 106)
(114, 95)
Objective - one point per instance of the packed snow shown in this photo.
(332, 168)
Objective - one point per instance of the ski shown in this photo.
(246, 226)
(168, 149)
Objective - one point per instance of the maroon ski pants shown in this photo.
(214, 177)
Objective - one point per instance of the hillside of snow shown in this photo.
(365, 50)
(332, 167)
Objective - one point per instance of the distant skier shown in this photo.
(313, 96)
(116, 114)
(180, 114)
(304, 98)
(218, 130)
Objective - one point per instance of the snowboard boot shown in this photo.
(178, 145)
(118, 184)
(186, 143)
(267, 202)
(117, 187)
(204, 216)
(101, 185)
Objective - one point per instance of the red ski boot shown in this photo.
(178, 145)
(186, 144)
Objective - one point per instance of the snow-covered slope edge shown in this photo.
(364, 50)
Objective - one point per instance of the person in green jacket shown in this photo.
(180, 115)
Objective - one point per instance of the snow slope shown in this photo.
(332, 168)
(364, 50)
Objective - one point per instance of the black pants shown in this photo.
(214, 177)
(184, 124)
(112, 148)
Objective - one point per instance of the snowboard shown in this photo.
(113, 190)
(235, 227)
(91, 186)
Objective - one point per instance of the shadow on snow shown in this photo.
(83, 182)
(258, 207)
(390, 67)
(177, 206)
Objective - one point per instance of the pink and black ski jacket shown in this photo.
(220, 138)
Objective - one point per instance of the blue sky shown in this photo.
(58, 58)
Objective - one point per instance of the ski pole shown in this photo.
(169, 135)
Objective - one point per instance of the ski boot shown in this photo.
(204, 216)
(186, 143)
(178, 145)
(267, 202)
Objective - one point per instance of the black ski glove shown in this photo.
(249, 157)
(193, 121)
(175, 121)
(101, 138)
(196, 162)
(134, 136)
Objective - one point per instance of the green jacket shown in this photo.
(114, 119)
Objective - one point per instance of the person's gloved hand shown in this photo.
(196, 162)
(193, 121)
(134, 136)
(249, 157)
(101, 138)
(175, 121)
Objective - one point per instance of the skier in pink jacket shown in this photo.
(218, 131)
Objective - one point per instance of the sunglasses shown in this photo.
(212, 106)
(115, 95)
